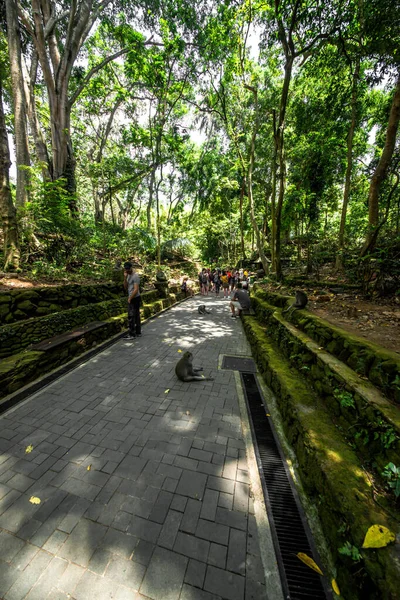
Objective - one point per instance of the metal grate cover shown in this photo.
(238, 363)
(289, 528)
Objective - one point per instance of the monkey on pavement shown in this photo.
(185, 372)
(300, 301)
(202, 310)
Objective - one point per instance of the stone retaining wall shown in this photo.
(17, 336)
(380, 366)
(371, 423)
(332, 476)
(18, 305)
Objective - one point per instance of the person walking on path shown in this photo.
(131, 285)
(203, 279)
(217, 282)
(240, 301)
(225, 284)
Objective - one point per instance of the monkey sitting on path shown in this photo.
(300, 301)
(203, 311)
(185, 372)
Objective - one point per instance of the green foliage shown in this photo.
(351, 551)
(392, 474)
(345, 398)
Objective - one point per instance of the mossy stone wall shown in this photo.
(19, 305)
(372, 427)
(331, 474)
(17, 336)
(380, 366)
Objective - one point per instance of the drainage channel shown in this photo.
(289, 528)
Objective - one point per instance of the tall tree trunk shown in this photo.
(259, 241)
(281, 162)
(381, 171)
(19, 103)
(349, 166)
(7, 208)
(242, 189)
(35, 129)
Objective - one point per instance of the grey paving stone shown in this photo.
(20, 482)
(190, 546)
(27, 578)
(161, 507)
(143, 552)
(192, 484)
(137, 506)
(191, 516)
(70, 578)
(214, 532)
(186, 463)
(217, 555)
(144, 529)
(28, 530)
(209, 506)
(241, 497)
(8, 575)
(192, 593)
(237, 552)
(255, 590)
(82, 542)
(19, 513)
(10, 546)
(131, 467)
(99, 561)
(223, 583)
(231, 518)
(179, 503)
(164, 575)
(44, 585)
(221, 484)
(119, 543)
(195, 573)
(170, 529)
(55, 542)
(24, 556)
(94, 587)
(121, 520)
(126, 572)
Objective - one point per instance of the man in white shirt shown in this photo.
(131, 285)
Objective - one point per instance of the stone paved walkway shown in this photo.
(143, 493)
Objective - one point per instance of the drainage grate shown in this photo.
(238, 363)
(288, 525)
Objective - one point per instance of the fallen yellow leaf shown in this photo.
(378, 536)
(335, 587)
(179, 350)
(88, 468)
(34, 500)
(267, 415)
(28, 449)
(307, 560)
(166, 391)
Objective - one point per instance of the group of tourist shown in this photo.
(214, 280)
(234, 283)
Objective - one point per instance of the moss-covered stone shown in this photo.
(380, 365)
(331, 474)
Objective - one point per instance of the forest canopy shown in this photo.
(223, 131)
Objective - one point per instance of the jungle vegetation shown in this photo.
(226, 131)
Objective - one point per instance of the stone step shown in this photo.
(331, 474)
(369, 420)
(379, 365)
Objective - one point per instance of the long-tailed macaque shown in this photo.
(202, 310)
(300, 301)
(185, 371)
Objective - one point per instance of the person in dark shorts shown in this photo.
(240, 300)
(131, 285)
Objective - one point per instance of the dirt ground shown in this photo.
(375, 320)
